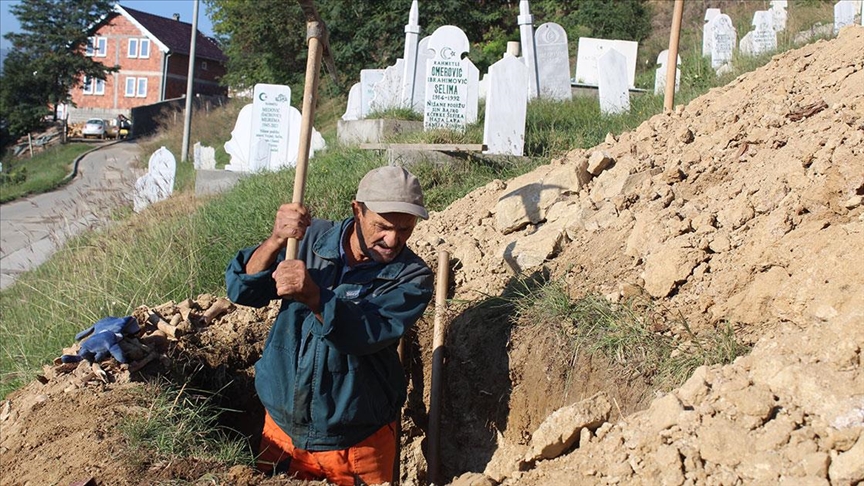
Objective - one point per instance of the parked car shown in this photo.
(95, 127)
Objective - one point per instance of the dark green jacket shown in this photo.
(331, 385)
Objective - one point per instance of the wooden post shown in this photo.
(314, 32)
(434, 462)
(672, 58)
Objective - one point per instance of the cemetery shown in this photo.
(722, 236)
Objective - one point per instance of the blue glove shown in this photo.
(106, 336)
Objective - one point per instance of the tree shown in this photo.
(265, 41)
(51, 47)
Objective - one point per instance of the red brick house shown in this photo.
(152, 53)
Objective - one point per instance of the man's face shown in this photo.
(382, 236)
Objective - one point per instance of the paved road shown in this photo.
(32, 229)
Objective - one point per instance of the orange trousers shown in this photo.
(369, 462)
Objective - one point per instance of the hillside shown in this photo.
(742, 208)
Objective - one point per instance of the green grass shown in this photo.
(42, 173)
(181, 424)
(631, 335)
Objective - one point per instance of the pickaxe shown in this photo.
(319, 47)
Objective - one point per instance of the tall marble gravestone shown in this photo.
(660, 73)
(271, 120)
(239, 146)
(706, 31)
(764, 35)
(778, 14)
(368, 79)
(387, 93)
(449, 80)
(613, 87)
(723, 41)
(529, 52)
(844, 14)
(506, 107)
(409, 73)
(553, 62)
(158, 183)
(589, 52)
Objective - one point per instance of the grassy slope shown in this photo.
(179, 248)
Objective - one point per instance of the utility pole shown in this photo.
(190, 81)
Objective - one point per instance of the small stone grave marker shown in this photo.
(706, 31)
(158, 183)
(844, 14)
(764, 35)
(723, 41)
(778, 14)
(353, 110)
(238, 147)
(613, 88)
(553, 62)
(506, 107)
(204, 157)
(591, 49)
(660, 73)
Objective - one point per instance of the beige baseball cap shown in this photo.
(392, 189)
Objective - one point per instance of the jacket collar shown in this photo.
(327, 247)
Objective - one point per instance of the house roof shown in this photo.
(171, 35)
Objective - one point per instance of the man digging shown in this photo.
(330, 378)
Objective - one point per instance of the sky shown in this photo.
(162, 8)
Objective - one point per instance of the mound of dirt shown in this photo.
(744, 207)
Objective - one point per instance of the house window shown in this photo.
(145, 49)
(203, 65)
(130, 87)
(133, 48)
(98, 46)
(142, 88)
(93, 86)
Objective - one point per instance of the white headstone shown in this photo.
(529, 53)
(204, 157)
(387, 93)
(778, 12)
(158, 183)
(591, 49)
(844, 14)
(553, 62)
(613, 87)
(473, 92)
(660, 73)
(424, 54)
(260, 156)
(723, 40)
(706, 31)
(368, 79)
(449, 80)
(241, 140)
(353, 110)
(745, 45)
(316, 142)
(764, 35)
(483, 86)
(271, 120)
(506, 107)
(409, 73)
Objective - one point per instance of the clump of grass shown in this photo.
(183, 424)
(630, 334)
